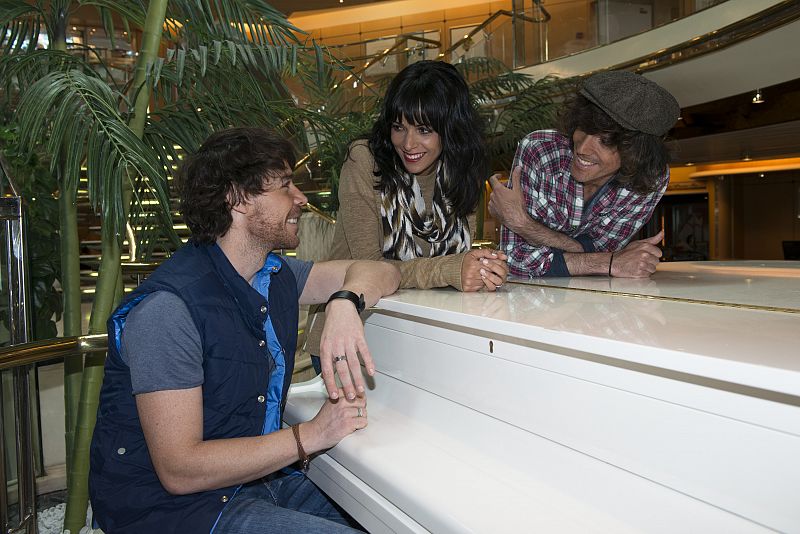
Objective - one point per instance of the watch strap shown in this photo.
(357, 300)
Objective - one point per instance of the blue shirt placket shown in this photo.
(275, 350)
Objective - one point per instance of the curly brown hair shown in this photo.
(231, 166)
(643, 157)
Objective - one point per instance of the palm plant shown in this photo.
(226, 66)
(513, 104)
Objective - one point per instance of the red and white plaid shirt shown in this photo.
(554, 199)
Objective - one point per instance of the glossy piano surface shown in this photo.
(580, 405)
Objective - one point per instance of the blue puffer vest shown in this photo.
(125, 492)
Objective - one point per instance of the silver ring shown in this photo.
(360, 413)
(342, 358)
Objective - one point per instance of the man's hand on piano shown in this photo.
(336, 420)
(638, 259)
(341, 343)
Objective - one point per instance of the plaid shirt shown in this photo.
(554, 199)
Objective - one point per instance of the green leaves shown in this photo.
(78, 116)
(534, 107)
(20, 26)
(196, 22)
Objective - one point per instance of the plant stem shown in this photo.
(105, 291)
(70, 285)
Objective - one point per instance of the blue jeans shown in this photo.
(284, 504)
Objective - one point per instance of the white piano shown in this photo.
(580, 405)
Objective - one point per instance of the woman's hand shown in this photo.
(483, 268)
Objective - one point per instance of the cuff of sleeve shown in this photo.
(586, 242)
(452, 270)
(558, 266)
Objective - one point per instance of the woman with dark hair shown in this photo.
(409, 192)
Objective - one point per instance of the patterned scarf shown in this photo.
(403, 218)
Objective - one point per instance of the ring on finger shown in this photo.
(360, 413)
(342, 358)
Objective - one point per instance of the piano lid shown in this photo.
(716, 322)
(773, 285)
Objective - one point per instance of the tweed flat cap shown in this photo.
(633, 101)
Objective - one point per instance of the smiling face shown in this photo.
(418, 146)
(272, 216)
(594, 163)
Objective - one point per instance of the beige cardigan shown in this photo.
(359, 233)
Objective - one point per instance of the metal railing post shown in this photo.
(11, 214)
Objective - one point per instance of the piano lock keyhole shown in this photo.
(491, 347)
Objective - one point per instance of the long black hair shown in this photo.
(643, 157)
(433, 94)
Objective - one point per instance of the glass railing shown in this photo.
(578, 25)
(541, 32)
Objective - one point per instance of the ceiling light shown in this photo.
(758, 98)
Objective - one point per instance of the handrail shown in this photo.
(40, 351)
(736, 32)
(497, 14)
(316, 211)
(403, 38)
(376, 39)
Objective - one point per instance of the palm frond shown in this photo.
(20, 26)
(18, 72)
(493, 88)
(480, 67)
(77, 113)
(242, 21)
(129, 12)
(536, 107)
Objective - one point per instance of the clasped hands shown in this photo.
(483, 269)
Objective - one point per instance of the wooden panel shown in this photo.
(767, 216)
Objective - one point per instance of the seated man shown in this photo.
(188, 435)
(576, 199)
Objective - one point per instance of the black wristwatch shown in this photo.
(357, 300)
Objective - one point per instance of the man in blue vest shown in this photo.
(188, 435)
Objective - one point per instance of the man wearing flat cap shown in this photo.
(575, 200)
